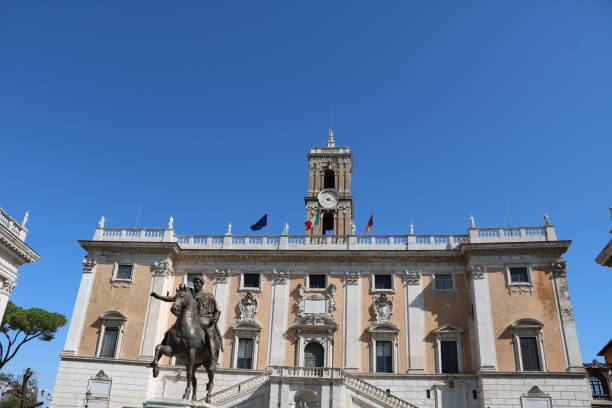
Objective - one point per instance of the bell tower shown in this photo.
(329, 188)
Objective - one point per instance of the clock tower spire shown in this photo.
(329, 188)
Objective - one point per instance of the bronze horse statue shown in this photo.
(185, 341)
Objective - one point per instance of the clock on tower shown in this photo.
(329, 188)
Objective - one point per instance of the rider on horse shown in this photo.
(207, 315)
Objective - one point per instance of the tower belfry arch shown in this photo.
(329, 188)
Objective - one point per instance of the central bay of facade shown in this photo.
(331, 318)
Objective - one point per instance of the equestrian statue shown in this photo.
(194, 339)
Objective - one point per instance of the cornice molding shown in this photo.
(17, 246)
(497, 248)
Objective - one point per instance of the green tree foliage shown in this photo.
(20, 326)
(19, 392)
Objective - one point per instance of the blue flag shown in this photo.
(263, 221)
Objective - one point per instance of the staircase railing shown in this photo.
(237, 389)
(374, 392)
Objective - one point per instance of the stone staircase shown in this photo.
(375, 393)
(239, 389)
(349, 381)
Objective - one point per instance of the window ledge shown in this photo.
(383, 291)
(243, 289)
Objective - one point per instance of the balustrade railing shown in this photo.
(13, 226)
(375, 392)
(328, 242)
(237, 389)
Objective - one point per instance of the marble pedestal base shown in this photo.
(174, 403)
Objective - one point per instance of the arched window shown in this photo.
(597, 386)
(313, 355)
(329, 179)
(328, 222)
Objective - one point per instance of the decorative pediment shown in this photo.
(527, 324)
(245, 325)
(447, 328)
(536, 392)
(314, 321)
(384, 327)
(113, 315)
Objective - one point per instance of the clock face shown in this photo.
(328, 199)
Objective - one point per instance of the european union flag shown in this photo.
(263, 221)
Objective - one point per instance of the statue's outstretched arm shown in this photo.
(164, 298)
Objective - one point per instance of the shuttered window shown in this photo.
(109, 342)
(529, 354)
(450, 362)
(245, 353)
(384, 356)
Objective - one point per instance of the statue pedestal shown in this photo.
(174, 403)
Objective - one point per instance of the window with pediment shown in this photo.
(111, 333)
(448, 343)
(528, 345)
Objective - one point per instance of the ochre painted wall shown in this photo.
(446, 307)
(132, 302)
(539, 304)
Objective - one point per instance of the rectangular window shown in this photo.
(443, 281)
(529, 354)
(190, 277)
(450, 361)
(316, 281)
(519, 274)
(109, 342)
(124, 271)
(250, 280)
(245, 353)
(382, 282)
(384, 357)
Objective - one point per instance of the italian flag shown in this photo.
(313, 221)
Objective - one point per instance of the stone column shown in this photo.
(566, 313)
(416, 321)
(483, 318)
(5, 291)
(278, 320)
(221, 292)
(352, 320)
(156, 317)
(80, 307)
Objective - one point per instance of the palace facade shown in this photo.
(332, 319)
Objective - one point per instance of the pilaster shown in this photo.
(80, 307)
(483, 317)
(156, 318)
(566, 313)
(5, 292)
(221, 292)
(415, 347)
(352, 320)
(278, 320)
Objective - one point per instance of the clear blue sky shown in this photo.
(205, 111)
